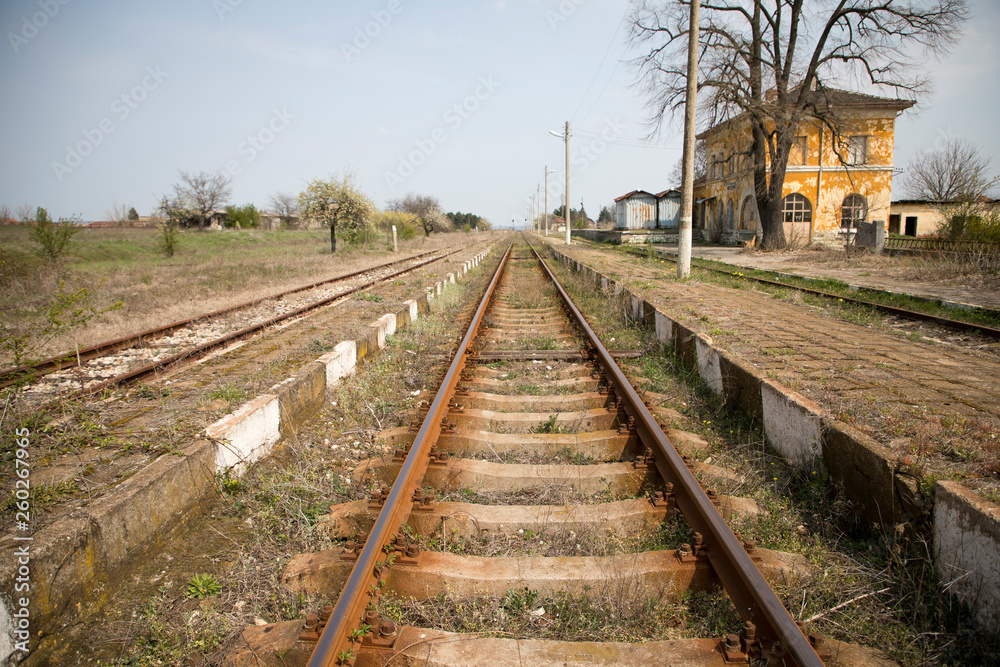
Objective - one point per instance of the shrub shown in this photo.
(53, 239)
(242, 217)
(168, 237)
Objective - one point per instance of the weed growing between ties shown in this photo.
(864, 587)
(279, 502)
(553, 541)
(537, 495)
(622, 610)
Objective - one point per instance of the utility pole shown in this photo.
(538, 203)
(566, 134)
(687, 189)
(546, 211)
(565, 137)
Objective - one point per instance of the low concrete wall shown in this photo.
(966, 527)
(635, 236)
(78, 562)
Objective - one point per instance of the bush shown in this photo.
(242, 217)
(168, 237)
(53, 239)
(406, 224)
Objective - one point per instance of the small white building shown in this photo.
(668, 209)
(636, 210)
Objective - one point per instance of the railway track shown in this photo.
(903, 313)
(134, 358)
(531, 381)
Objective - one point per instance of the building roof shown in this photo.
(665, 193)
(936, 202)
(825, 99)
(633, 193)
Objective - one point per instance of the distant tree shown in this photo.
(956, 173)
(53, 239)
(337, 201)
(242, 217)
(605, 216)
(5, 214)
(25, 214)
(471, 219)
(133, 214)
(285, 206)
(560, 212)
(116, 213)
(199, 194)
(700, 165)
(427, 210)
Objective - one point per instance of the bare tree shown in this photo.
(4, 214)
(117, 213)
(201, 193)
(773, 62)
(957, 172)
(700, 164)
(427, 210)
(25, 214)
(285, 206)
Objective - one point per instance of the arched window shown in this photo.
(748, 214)
(796, 208)
(729, 214)
(853, 210)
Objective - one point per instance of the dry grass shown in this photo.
(211, 271)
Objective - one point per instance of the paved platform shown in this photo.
(936, 405)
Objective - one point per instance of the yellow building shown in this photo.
(826, 185)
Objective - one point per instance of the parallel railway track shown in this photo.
(342, 286)
(477, 413)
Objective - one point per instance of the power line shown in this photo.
(594, 78)
(631, 143)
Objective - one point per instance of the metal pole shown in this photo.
(546, 211)
(538, 202)
(687, 189)
(568, 221)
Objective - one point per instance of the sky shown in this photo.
(107, 100)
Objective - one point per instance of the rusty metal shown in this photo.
(754, 599)
(71, 359)
(363, 583)
(555, 355)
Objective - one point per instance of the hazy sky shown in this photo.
(107, 100)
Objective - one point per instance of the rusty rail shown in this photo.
(755, 601)
(72, 359)
(335, 645)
